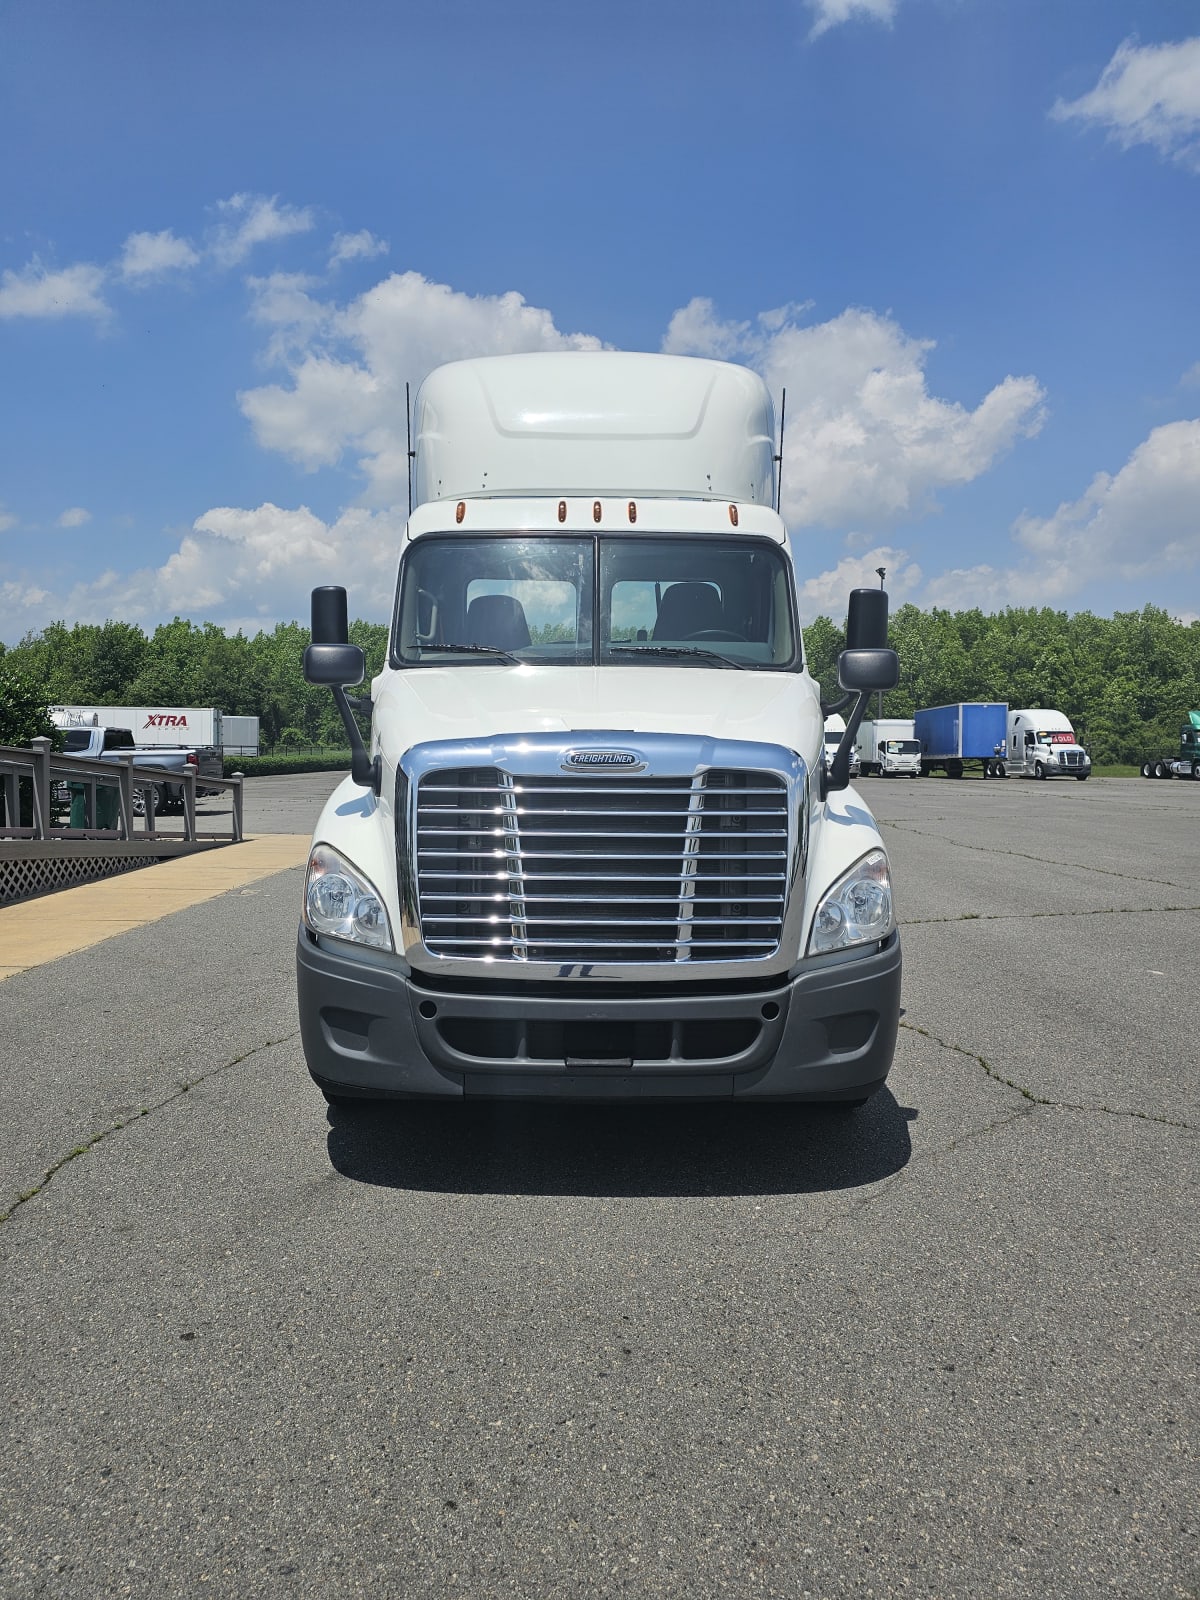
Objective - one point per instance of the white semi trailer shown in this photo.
(592, 849)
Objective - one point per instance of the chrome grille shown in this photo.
(618, 869)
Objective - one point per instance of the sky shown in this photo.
(963, 234)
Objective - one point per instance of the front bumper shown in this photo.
(372, 1029)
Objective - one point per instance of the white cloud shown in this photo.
(826, 594)
(148, 256)
(7, 520)
(1146, 95)
(247, 220)
(361, 246)
(346, 389)
(16, 601)
(74, 517)
(832, 13)
(865, 442)
(237, 567)
(1142, 521)
(38, 292)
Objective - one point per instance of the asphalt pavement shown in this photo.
(946, 1347)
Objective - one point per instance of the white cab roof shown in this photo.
(594, 422)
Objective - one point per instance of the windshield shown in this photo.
(580, 600)
(902, 747)
(1066, 737)
(76, 739)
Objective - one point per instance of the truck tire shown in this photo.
(139, 801)
(1001, 770)
(1162, 770)
(1039, 770)
(1082, 777)
(1147, 769)
(1196, 769)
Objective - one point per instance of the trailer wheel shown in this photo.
(1001, 770)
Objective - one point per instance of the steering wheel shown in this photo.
(716, 633)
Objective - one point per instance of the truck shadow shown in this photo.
(656, 1150)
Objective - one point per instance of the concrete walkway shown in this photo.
(36, 931)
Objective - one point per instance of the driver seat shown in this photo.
(688, 608)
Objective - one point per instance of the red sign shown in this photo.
(1059, 738)
(163, 719)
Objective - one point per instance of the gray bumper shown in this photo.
(827, 1035)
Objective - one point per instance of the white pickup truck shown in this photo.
(595, 850)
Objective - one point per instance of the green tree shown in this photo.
(23, 703)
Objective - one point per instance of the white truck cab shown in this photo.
(594, 849)
(1042, 744)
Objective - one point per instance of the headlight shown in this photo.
(338, 900)
(856, 910)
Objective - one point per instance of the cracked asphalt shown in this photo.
(944, 1348)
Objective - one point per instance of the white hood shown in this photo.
(463, 703)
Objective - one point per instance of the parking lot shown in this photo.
(944, 1347)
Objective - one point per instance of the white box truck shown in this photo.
(888, 748)
(592, 849)
(1042, 744)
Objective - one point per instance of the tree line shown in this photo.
(1126, 681)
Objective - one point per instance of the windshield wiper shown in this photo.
(471, 649)
(675, 650)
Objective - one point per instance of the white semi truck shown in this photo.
(1042, 744)
(592, 849)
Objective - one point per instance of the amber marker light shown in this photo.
(595, 511)
(633, 511)
(733, 515)
(562, 510)
(460, 511)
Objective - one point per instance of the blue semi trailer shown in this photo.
(950, 736)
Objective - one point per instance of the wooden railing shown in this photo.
(31, 774)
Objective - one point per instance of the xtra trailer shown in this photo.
(969, 731)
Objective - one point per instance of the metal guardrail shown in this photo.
(36, 769)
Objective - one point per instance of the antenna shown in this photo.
(779, 457)
(408, 443)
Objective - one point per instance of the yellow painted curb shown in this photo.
(37, 931)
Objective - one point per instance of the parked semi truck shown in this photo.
(1183, 764)
(592, 848)
(1042, 744)
(888, 747)
(835, 727)
(969, 731)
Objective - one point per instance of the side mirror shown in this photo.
(867, 620)
(330, 658)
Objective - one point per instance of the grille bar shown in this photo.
(629, 869)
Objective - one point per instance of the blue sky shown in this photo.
(963, 233)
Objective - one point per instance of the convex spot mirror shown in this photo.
(865, 671)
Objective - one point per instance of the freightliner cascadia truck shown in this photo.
(592, 849)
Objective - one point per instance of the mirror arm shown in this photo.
(837, 774)
(366, 772)
(829, 707)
